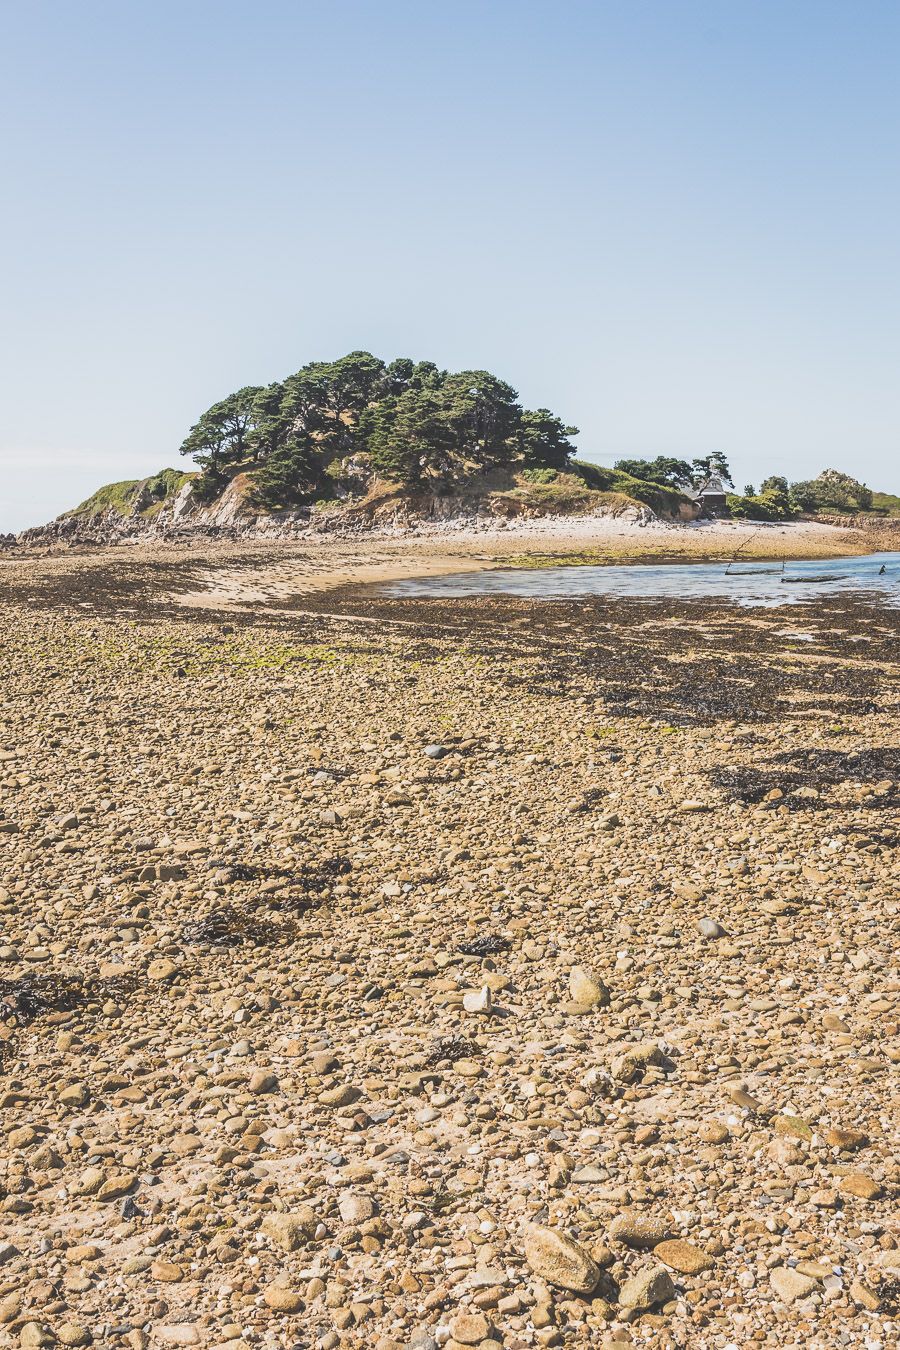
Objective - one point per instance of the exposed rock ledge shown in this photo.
(137, 514)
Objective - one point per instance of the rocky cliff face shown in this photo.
(167, 506)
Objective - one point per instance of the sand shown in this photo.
(266, 574)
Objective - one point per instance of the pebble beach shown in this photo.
(409, 974)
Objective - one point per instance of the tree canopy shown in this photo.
(677, 473)
(404, 421)
(832, 491)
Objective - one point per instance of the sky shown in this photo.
(673, 222)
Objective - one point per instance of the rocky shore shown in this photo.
(378, 973)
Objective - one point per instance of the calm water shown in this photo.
(750, 583)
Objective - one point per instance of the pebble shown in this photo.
(790, 1284)
(683, 1256)
(284, 1300)
(640, 1230)
(478, 1000)
(560, 1261)
(586, 990)
(355, 1208)
(647, 1289)
(469, 1328)
(73, 1333)
(289, 1231)
(860, 1185)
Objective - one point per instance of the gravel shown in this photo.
(313, 1038)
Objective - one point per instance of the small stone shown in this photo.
(22, 1136)
(847, 1140)
(290, 1231)
(588, 1174)
(136, 1265)
(790, 1284)
(816, 1269)
(586, 989)
(708, 928)
(280, 1299)
(343, 1095)
(683, 1256)
(116, 1187)
(261, 1081)
(73, 1333)
(647, 1289)
(85, 1252)
(793, 1126)
(33, 1335)
(166, 1271)
(741, 1097)
(630, 1066)
(437, 751)
(639, 1230)
(10, 1308)
(863, 1187)
(74, 1094)
(478, 1001)
(162, 970)
(469, 1328)
(355, 1208)
(561, 1261)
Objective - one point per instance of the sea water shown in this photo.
(753, 582)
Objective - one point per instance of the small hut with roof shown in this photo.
(711, 497)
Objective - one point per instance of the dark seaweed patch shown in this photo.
(452, 1048)
(307, 878)
(874, 765)
(25, 1000)
(489, 945)
(229, 927)
(889, 1293)
(805, 778)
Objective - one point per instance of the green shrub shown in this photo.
(665, 501)
(540, 475)
(772, 504)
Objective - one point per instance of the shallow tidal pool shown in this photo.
(754, 583)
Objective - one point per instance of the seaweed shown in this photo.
(229, 927)
(491, 944)
(803, 777)
(452, 1048)
(25, 1000)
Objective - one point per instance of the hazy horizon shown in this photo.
(673, 225)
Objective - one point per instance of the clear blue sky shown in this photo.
(675, 222)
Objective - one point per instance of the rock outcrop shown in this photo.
(169, 506)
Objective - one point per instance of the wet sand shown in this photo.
(233, 575)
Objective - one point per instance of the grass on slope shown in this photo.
(664, 501)
(886, 503)
(121, 498)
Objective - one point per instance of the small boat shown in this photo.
(752, 571)
(823, 576)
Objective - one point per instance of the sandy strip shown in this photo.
(285, 570)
